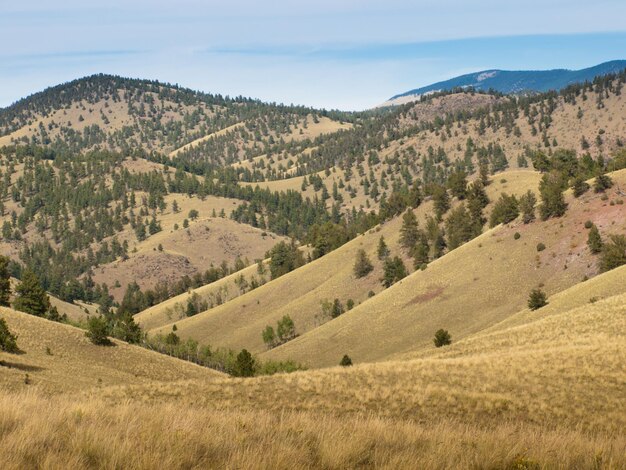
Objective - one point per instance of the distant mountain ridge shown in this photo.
(506, 81)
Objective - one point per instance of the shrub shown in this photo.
(541, 246)
(442, 338)
(8, 341)
(97, 331)
(516, 236)
(588, 224)
(537, 299)
(345, 361)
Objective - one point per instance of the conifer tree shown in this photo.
(30, 296)
(458, 227)
(505, 210)
(345, 361)
(362, 266)
(537, 299)
(527, 206)
(594, 240)
(442, 338)
(552, 200)
(8, 341)
(409, 233)
(393, 271)
(5, 282)
(613, 253)
(383, 249)
(244, 364)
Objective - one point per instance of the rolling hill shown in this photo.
(108, 182)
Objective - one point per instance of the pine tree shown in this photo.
(442, 338)
(457, 183)
(441, 201)
(537, 299)
(8, 341)
(420, 252)
(613, 253)
(5, 282)
(602, 183)
(383, 249)
(30, 296)
(393, 271)
(594, 240)
(505, 210)
(97, 331)
(552, 200)
(527, 204)
(458, 227)
(579, 186)
(409, 233)
(362, 266)
(345, 361)
(244, 364)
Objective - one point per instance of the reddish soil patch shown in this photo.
(432, 293)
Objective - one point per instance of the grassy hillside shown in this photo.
(173, 310)
(58, 358)
(490, 400)
(238, 323)
(469, 289)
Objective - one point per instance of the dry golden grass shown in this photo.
(469, 289)
(548, 393)
(59, 358)
(60, 433)
(472, 288)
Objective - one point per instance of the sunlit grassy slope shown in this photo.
(469, 289)
(238, 323)
(59, 358)
(546, 392)
(174, 309)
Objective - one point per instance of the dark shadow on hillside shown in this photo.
(18, 366)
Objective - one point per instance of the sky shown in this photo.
(333, 54)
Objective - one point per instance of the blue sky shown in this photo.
(349, 54)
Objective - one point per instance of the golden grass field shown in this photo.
(547, 393)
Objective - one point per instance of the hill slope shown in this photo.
(58, 358)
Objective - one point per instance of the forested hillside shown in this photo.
(127, 193)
